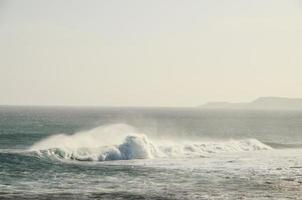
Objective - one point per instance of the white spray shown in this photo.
(122, 142)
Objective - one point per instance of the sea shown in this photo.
(82, 153)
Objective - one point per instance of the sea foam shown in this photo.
(122, 142)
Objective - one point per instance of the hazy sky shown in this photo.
(148, 53)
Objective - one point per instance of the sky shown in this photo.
(148, 53)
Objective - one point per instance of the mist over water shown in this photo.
(101, 136)
(121, 142)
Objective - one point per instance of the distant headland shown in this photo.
(262, 103)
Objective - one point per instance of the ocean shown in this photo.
(149, 153)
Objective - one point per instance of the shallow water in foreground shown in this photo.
(217, 168)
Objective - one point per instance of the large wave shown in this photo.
(122, 142)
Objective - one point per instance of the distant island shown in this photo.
(262, 103)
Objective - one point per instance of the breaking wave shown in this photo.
(122, 142)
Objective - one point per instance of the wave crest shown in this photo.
(134, 147)
(126, 145)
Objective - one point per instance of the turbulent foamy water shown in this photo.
(77, 153)
(94, 146)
